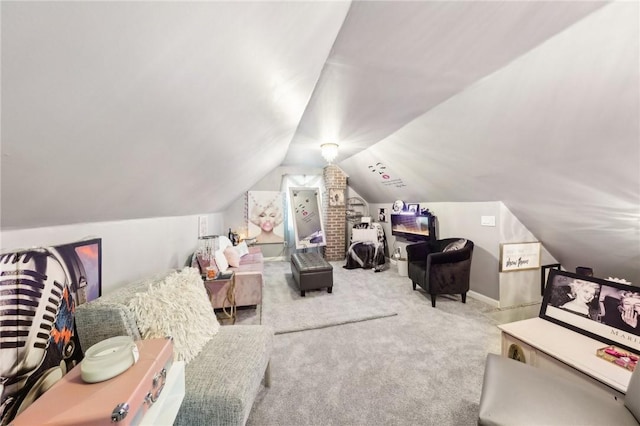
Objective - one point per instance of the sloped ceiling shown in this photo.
(121, 110)
(554, 134)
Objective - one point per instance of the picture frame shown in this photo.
(415, 208)
(82, 261)
(604, 316)
(520, 256)
(382, 215)
(544, 274)
(266, 216)
(336, 197)
(54, 281)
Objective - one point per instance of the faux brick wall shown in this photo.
(334, 216)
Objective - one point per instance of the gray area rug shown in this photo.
(287, 311)
(422, 366)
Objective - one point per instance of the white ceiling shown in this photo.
(121, 110)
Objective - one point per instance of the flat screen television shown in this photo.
(412, 226)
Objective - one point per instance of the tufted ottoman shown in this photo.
(311, 272)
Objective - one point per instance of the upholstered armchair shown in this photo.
(514, 393)
(441, 266)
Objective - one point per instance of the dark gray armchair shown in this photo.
(441, 266)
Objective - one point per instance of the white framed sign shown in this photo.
(519, 256)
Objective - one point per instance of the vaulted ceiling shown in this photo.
(122, 110)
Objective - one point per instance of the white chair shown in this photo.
(514, 393)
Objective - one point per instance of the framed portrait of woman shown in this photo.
(265, 214)
(604, 310)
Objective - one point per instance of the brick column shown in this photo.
(334, 216)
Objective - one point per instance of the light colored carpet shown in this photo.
(422, 366)
(287, 311)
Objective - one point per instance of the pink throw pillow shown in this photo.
(233, 257)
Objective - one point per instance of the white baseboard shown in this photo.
(481, 297)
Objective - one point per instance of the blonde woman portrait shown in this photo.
(582, 294)
(266, 217)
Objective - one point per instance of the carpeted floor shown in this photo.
(422, 366)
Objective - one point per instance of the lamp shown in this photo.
(329, 151)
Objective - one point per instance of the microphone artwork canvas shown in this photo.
(39, 291)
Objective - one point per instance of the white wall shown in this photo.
(520, 287)
(135, 249)
(463, 220)
(131, 249)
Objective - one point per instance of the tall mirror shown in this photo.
(307, 217)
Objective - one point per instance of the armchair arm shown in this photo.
(417, 252)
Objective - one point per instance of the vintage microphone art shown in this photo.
(36, 315)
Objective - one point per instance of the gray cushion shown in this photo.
(456, 245)
(514, 393)
(221, 383)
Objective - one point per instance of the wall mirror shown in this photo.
(307, 217)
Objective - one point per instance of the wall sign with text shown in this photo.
(519, 256)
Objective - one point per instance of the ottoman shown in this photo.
(311, 272)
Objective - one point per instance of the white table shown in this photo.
(568, 353)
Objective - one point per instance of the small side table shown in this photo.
(222, 295)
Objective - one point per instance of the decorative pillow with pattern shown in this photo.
(456, 245)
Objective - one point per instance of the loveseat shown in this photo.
(224, 365)
(246, 262)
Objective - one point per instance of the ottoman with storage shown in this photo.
(311, 272)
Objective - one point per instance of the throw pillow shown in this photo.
(221, 260)
(177, 306)
(456, 245)
(224, 242)
(364, 235)
(232, 256)
(242, 249)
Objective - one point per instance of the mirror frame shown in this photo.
(308, 225)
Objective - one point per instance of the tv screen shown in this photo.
(412, 227)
